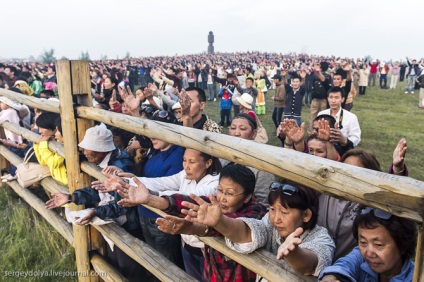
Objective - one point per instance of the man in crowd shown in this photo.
(321, 82)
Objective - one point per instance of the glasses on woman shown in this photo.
(378, 213)
(226, 194)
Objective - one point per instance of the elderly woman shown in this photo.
(98, 148)
(386, 245)
(244, 126)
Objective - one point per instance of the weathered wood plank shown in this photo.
(42, 104)
(75, 178)
(398, 195)
(419, 256)
(145, 255)
(106, 271)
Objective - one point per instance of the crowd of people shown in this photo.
(316, 234)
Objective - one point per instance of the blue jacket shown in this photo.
(162, 163)
(354, 268)
(90, 197)
(225, 95)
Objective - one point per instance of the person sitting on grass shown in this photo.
(234, 195)
(386, 245)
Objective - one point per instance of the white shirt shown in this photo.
(350, 125)
(178, 183)
(11, 115)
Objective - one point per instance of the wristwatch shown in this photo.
(69, 198)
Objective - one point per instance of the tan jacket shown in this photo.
(280, 96)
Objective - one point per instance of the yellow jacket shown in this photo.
(55, 162)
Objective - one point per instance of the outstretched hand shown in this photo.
(57, 200)
(290, 244)
(323, 130)
(173, 225)
(204, 213)
(132, 195)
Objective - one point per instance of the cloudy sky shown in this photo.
(383, 29)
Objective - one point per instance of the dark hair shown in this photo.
(148, 110)
(47, 120)
(15, 89)
(241, 175)
(22, 77)
(249, 118)
(164, 116)
(201, 95)
(48, 93)
(216, 166)
(402, 230)
(367, 159)
(123, 134)
(331, 120)
(305, 199)
(336, 89)
(249, 78)
(59, 125)
(11, 68)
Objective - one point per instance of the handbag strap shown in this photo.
(28, 156)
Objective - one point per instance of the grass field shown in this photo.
(27, 242)
(385, 116)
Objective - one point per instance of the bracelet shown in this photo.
(206, 231)
(288, 144)
(399, 172)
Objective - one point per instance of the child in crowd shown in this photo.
(226, 104)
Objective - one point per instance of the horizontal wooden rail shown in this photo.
(63, 227)
(106, 271)
(54, 146)
(42, 104)
(145, 255)
(48, 183)
(402, 196)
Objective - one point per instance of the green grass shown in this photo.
(29, 243)
(385, 116)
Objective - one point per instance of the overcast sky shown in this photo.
(383, 29)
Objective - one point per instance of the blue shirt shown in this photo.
(354, 268)
(162, 163)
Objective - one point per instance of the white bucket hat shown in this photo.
(11, 103)
(176, 106)
(98, 139)
(157, 101)
(246, 100)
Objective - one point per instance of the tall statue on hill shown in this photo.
(210, 40)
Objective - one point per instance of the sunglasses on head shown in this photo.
(378, 213)
(286, 188)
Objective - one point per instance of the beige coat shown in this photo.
(363, 77)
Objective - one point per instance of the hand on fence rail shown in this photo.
(86, 219)
(111, 169)
(173, 225)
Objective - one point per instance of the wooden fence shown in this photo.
(397, 195)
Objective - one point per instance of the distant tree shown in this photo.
(32, 58)
(64, 58)
(103, 57)
(48, 56)
(127, 55)
(84, 56)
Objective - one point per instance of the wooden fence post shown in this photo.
(419, 259)
(74, 80)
